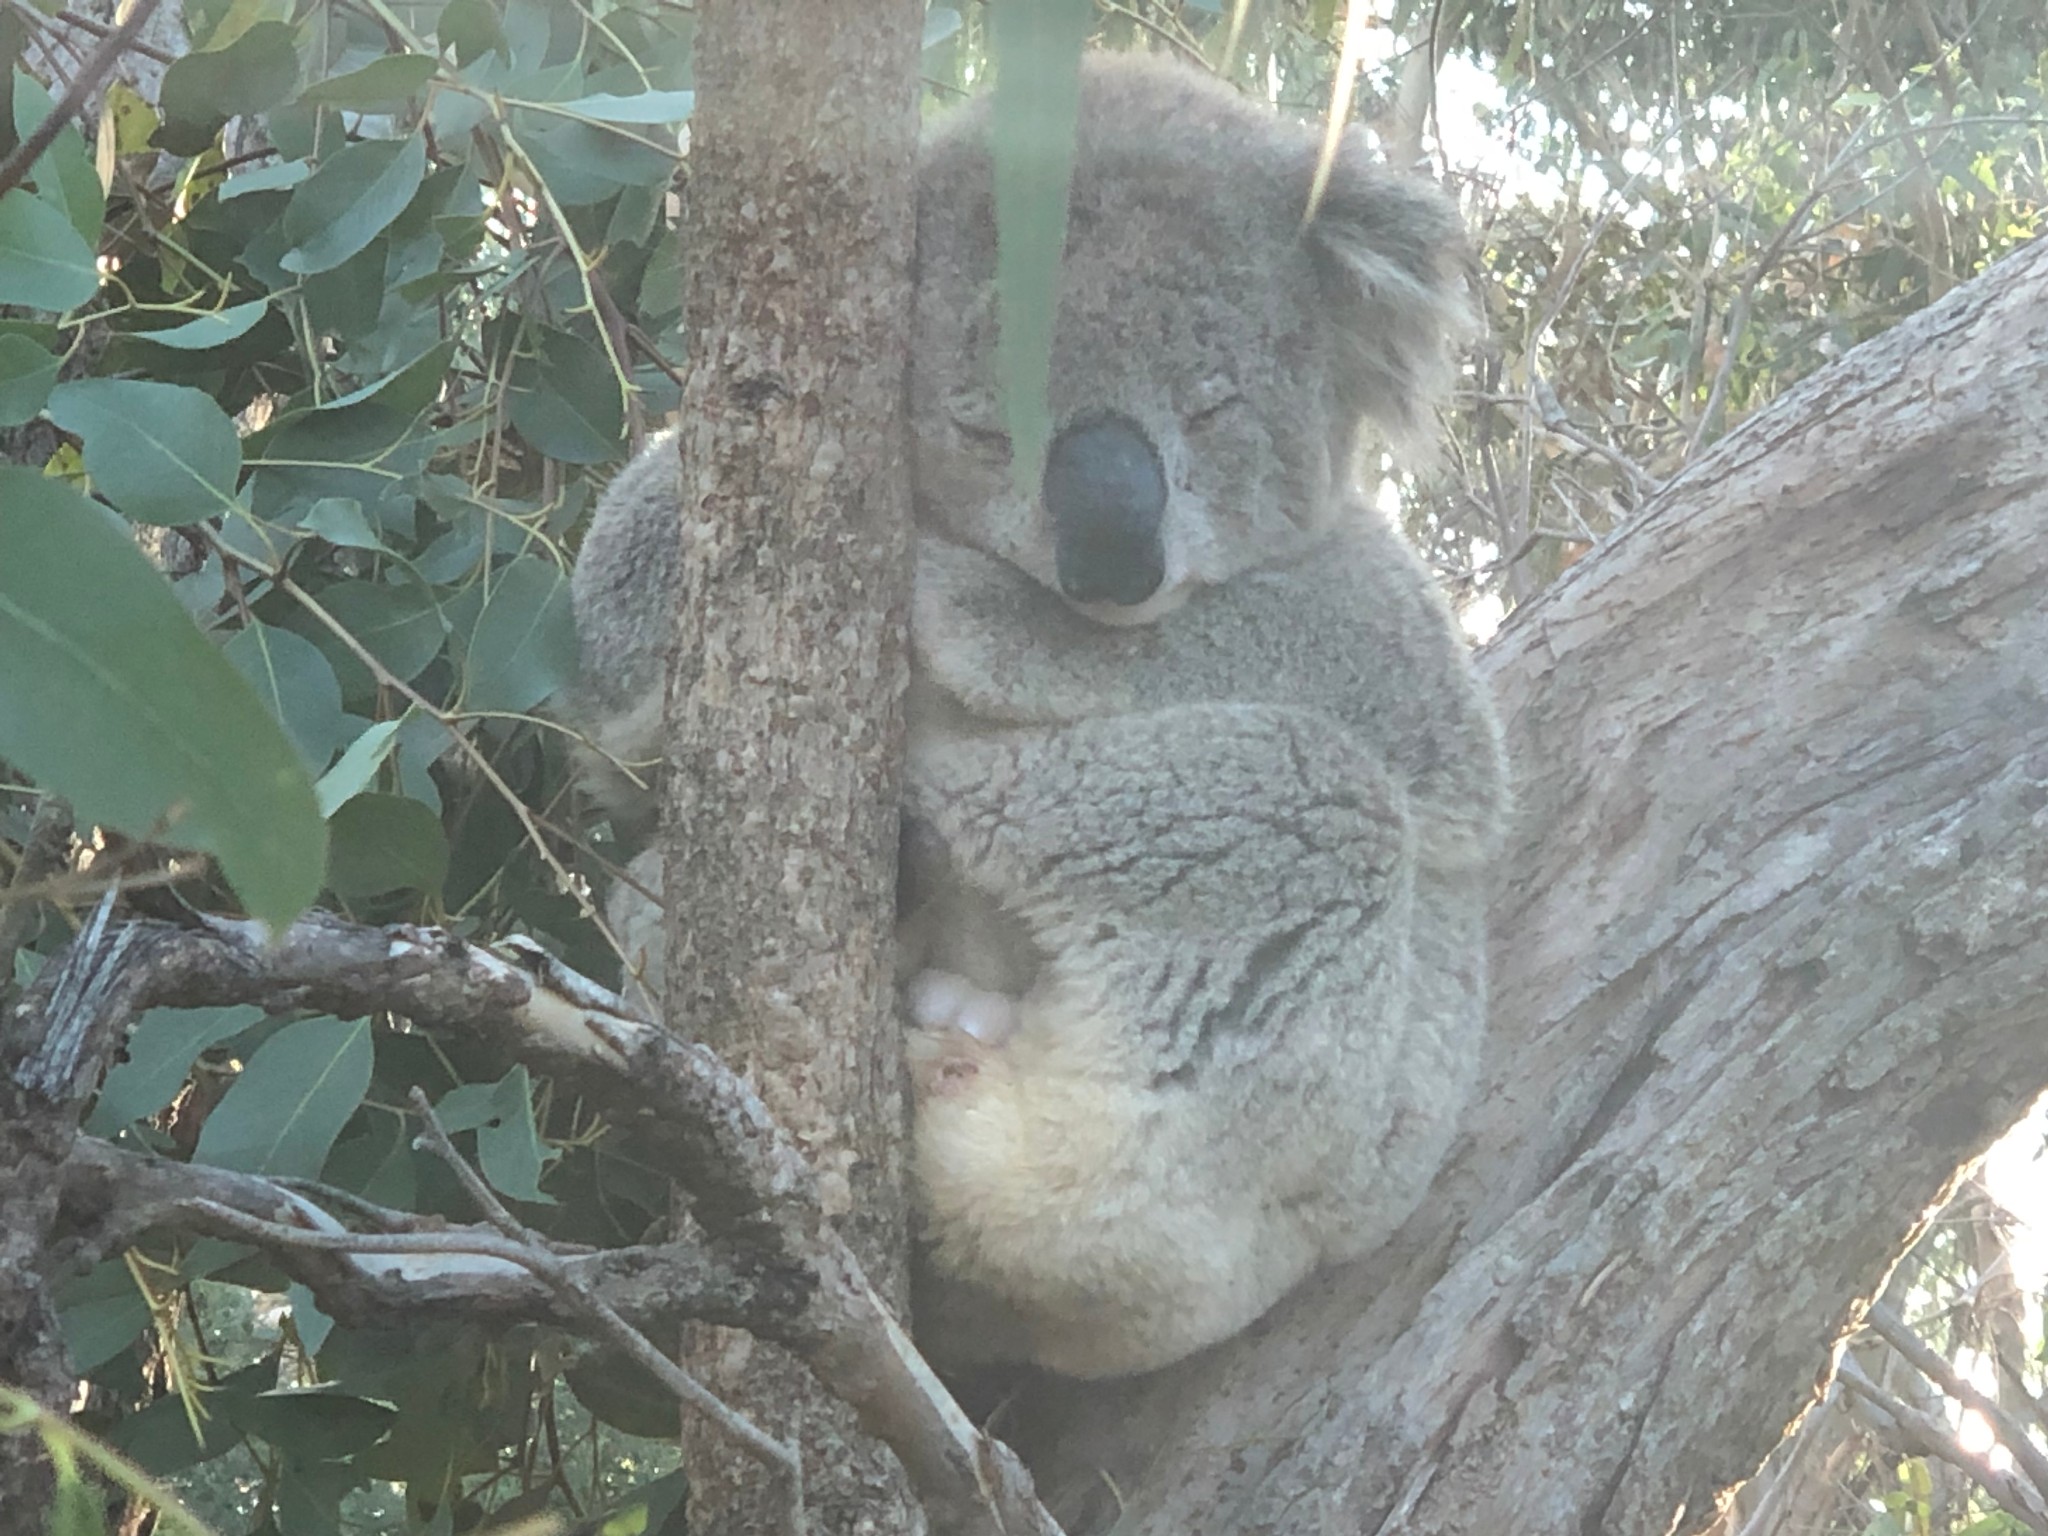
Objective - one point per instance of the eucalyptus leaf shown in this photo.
(357, 767)
(214, 330)
(339, 520)
(28, 372)
(101, 1312)
(524, 645)
(44, 262)
(646, 107)
(400, 626)
(381, 85)
(120, 704)
(297, 684)
(379, 843)
(508, 1144)
(161, 453)
(566, 402)
(350, 200)
(279, 176)
(1037, 49)
(203, 89)
(313, 1424)
(161, 1049)
(280, 1116)
(64, 175)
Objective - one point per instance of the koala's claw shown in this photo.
(955, 1024)
(940, 1000)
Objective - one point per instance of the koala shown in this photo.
(1202, 793)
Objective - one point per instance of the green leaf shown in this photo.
(524, 645)
(159, 1438)
(566, 401)
(471, 28)
(44, 264)
(64, 176)
(508, 1147)
(201, 91)
(121, 705)
(292, 1099)
(404, 392)
(277, 177)
(161, 453)
(161, 1049)
(297, 684)
(382, 84)
(101, 1312)
(940, 23)
(352, 773)
(349, 201)
(339, 520)
(400, 626)
(508, 1144)
(28, 371)
(214, 330)
(308, 1321)
(1037, 49)
(645, 107)
(380, 843)
(313, 1424)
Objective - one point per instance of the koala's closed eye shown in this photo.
(989, 441)
(1216, 413)
(1212, 401)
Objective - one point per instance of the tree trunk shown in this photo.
(1771, 960)
(785, 714)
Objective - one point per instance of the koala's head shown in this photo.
(1213, 358)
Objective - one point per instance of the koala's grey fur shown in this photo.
(1194, 874)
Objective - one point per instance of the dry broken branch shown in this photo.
(769, 1260)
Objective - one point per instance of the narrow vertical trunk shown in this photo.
(786, 715)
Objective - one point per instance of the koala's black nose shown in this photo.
(1107, 496)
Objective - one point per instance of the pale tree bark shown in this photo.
(785, 708)
(1771, 960)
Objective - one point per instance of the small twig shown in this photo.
(749, 1436)
(83, 84)
(1640, 480)
(1166, 35)
(43, 854)
(277, 1234)
(652, 353)
(1923, 1433)
(93, 28)
(1892, 1328)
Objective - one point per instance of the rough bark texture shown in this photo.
(49, 1066)
(785, 713)
(1771, 960)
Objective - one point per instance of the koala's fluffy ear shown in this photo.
(1396, 272)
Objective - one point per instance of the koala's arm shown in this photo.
(1357, 633)
(623, 591)
(1213, 1082)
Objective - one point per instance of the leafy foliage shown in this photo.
(346, 322)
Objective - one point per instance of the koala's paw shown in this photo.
(954, 1026)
